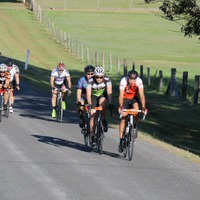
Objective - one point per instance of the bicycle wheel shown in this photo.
(1, 107)
(130, 143)
(87, 132)
(7, 110)
(124, 145)
(59, 109)
(99, 140)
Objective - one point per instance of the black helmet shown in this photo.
(9, 62)
(132, 74)
(89, 68)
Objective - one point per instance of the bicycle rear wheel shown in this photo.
(130, 143)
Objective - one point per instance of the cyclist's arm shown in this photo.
(69, 82)
(89, 93)
(109, 92)
(142, 97)
(52, 79)
(78, 94)
(7, 83)
(17, 78)
(121, 97)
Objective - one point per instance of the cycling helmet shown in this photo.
(61, 66)
(89, 68)
(132, 74)
(3, 67)
(9, 62)
(99, 71)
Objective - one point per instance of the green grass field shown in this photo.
(145, 38)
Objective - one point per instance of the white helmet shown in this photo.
(3, 67)
(99, 71)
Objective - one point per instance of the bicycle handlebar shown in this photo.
(134, 112)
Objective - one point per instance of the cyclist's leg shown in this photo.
(92, 118)
(64, 93)
(80, 110)
(103, 102)
(136, 117)
(122, 124)
(53, 102)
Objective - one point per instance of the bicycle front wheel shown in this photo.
(130, 143)
(87, 132)
(99, 142)
(59, 114)
(1, 107)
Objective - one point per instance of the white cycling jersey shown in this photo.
(13, 71)
(59, 77)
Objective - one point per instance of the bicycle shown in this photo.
(59, 108)
(2, 91)
(130, 134)
(99, 130)
(86, 125)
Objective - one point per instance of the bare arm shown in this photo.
(109, 92)
(69, 82)
(142, 97)
(121, 97)
(52, 78)
(89, 93)
(78, 95)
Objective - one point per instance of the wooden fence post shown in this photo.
(118, 65)
(110, 62)
(125, 67)
(196, 89)
(160, 80)
(148, 76)
(141, 71)
(184, 86)
(133, 66)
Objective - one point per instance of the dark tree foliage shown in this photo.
(183, 11)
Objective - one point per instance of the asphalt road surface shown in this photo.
(41, 159)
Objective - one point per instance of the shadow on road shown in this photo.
(57, 142)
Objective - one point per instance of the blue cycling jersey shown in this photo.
(82, 84)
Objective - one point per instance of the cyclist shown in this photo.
(60, 78)
(4, 81)
(99, 93)
(130, 89)
(14, 79)
(81, 91)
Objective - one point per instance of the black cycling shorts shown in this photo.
(128, 103)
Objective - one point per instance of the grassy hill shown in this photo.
(169, 119)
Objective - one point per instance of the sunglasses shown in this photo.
(90, 73)
(2, 72)
(99, 77)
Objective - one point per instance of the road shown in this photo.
(41, 159)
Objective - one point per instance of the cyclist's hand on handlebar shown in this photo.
(69, 91)
(120, 108)
(144, 110)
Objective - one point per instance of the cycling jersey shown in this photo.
(59, 77)
(98, 89)
(3, 78)
(14, 70)
(130, 91)
(82, 84)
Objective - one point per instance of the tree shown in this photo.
(187, 12)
